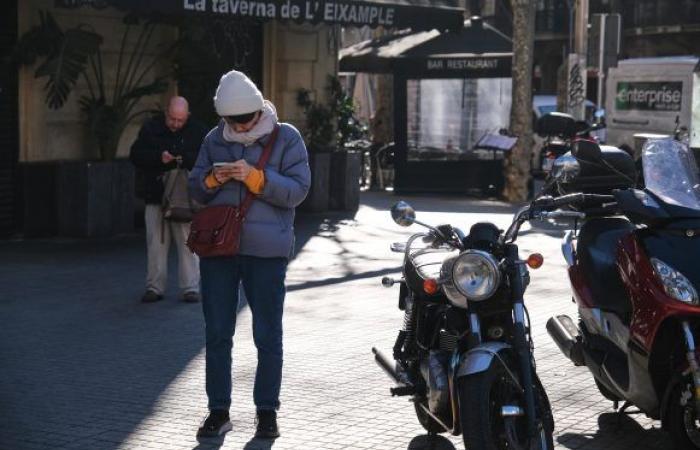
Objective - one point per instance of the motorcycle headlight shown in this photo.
(675, 283)
(476, 275)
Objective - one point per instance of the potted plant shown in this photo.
(319, 136)
(328, 131)
(345, 162)
(95, 196)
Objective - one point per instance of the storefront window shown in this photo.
(447, 117)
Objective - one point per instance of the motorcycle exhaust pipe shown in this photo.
(566, 335)
(383, 362)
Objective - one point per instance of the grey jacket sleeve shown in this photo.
(198, 189)
(288, 187)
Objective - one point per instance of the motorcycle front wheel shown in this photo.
(481, 397)
(682, 420)
(428, 423)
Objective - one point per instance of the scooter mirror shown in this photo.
(403, 214)
(566, 168)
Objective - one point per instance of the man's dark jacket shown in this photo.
(156, 138)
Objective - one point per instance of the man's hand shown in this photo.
(240, 170)
(167, 157)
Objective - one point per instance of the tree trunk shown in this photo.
(517, 164)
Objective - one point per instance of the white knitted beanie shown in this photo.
(236, 95)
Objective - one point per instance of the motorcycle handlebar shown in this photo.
(571, 199)
(538, 207)
(563, 215)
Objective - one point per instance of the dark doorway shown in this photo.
(9, 127)
(210, 49)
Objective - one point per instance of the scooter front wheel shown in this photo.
(682, 419)
(481, 397)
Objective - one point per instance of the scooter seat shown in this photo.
(596, 250)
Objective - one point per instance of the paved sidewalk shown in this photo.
(84, 365)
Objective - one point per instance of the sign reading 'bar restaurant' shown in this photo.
(343, 12)
(462, 64)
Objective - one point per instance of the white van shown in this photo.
(648, 95)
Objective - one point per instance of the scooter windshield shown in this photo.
(671, 173)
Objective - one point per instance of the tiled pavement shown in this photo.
(83, 365)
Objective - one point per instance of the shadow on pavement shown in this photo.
(210, 443)
(259, 444)
(430, 442)
(81, 355)
(611, 426)
(345, 279)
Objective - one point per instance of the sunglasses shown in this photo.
(241, 118)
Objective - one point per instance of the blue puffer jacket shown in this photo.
(268, 230)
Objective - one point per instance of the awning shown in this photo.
(476, 49)
(342, 12)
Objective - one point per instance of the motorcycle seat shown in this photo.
(596, 250)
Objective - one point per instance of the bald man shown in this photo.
(164, 143)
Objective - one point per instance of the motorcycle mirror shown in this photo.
(566, 168)
(403, 214)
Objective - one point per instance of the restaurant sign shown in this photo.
(463, 64)
(344, 12)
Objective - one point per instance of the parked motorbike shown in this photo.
(632, 259)
(560, 131)
(465, 353)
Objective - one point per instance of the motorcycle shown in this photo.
(560, 131)
(465, 352)
(632, 267)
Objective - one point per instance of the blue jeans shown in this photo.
(263, 283)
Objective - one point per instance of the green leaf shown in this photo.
(158, 86)
(64, 66)
(41, 40)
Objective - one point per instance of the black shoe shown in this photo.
(151, 297)
(216, 424)
(267, 425)
(191, 297)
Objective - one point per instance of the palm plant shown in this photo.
(75, 53)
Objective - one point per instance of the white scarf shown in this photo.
(266, 123)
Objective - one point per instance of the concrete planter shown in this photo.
(345, 181)
(318, 198)
(40, 215)
(78, 198)
(95, 198)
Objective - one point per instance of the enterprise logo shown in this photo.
(649, 96)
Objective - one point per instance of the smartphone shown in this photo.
(222, 164)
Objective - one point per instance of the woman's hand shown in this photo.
(240, 170)
(223, 174)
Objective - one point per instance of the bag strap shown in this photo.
(262, 162)
(171, 180)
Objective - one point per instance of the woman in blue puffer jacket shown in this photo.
(267, 242)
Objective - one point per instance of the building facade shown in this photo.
(281, 57)
(649, 28)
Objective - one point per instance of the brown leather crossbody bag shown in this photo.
(216, 230)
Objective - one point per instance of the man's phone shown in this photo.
(222, 164)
